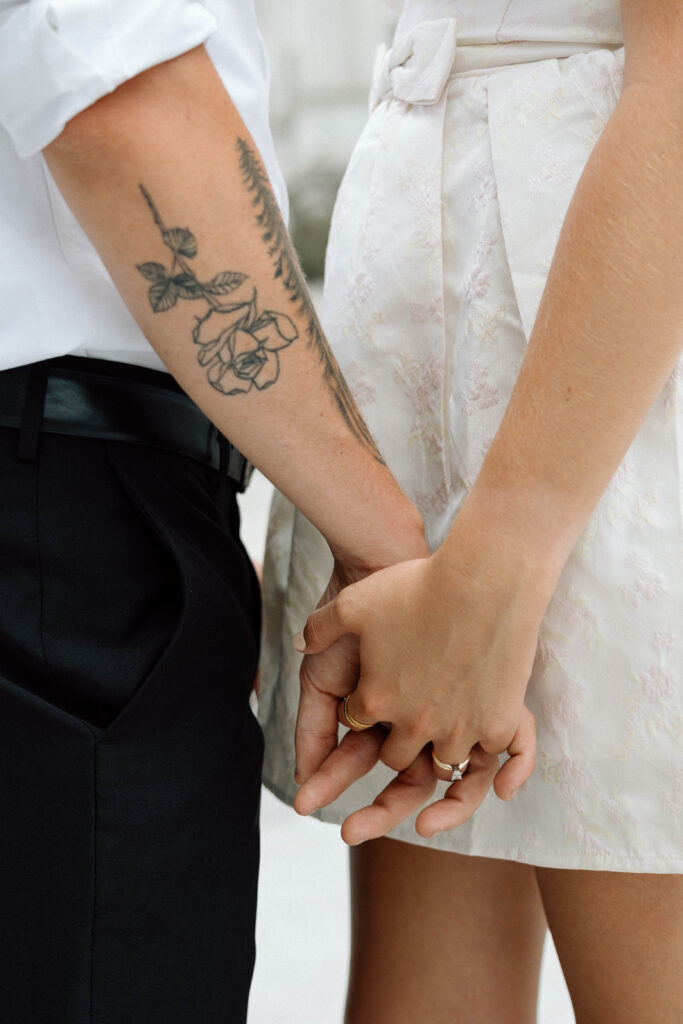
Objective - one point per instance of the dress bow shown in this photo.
(416, 69)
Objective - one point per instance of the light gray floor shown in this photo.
(303, 925)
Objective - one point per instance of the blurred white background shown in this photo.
(321, 54)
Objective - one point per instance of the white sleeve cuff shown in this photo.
(57, 57)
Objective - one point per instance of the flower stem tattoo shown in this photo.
(287, 269)
(238, 346)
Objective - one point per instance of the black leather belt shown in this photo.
(113, 401)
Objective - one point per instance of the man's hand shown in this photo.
(325, 679)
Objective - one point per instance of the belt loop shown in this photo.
(32, 414)
(224, 447)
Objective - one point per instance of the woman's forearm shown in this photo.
(164, 178)
(607, 336)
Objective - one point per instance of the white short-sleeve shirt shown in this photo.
(57, 57)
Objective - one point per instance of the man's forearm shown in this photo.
(164, 178)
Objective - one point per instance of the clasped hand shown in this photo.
(436, 658)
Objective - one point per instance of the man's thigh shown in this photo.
(130, 758)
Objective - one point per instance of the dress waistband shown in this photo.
(419, 65)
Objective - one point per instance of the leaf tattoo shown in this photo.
(182, 241)
(238, 346)
(152, 271)
(224, 283)
(287, 269)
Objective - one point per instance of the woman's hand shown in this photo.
(325, 679)
(442, 648)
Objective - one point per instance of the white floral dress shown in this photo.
(483, 115)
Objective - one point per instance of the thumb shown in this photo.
(326, 625)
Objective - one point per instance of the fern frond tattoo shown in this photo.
(287, 270)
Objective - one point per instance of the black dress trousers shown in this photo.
(129, 758)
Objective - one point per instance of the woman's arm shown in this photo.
(166, 181)
(447, 645)
(610, 324)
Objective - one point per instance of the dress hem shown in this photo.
(539, 858)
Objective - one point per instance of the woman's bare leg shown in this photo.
(619, 938)
(442, 938)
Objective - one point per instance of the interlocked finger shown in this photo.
(462, 798)
(407, 792)
(348, 719)
(351, 760)
(450, 767)
(401, 748)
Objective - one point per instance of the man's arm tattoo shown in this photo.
(287, 269)
(238, 346)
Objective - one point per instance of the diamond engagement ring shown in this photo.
(457, 770)
(353, 722)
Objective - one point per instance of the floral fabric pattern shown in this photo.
(442, 238)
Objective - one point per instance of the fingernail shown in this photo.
(513, 794)
(298, 642)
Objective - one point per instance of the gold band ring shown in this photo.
(456, 770)
(353, 722)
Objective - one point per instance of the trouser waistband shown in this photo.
(81, 397)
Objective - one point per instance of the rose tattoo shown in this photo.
(238, 345)
(242, 351)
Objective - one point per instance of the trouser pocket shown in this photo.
(129, 853)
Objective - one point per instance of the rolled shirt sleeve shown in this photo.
(57, 57)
